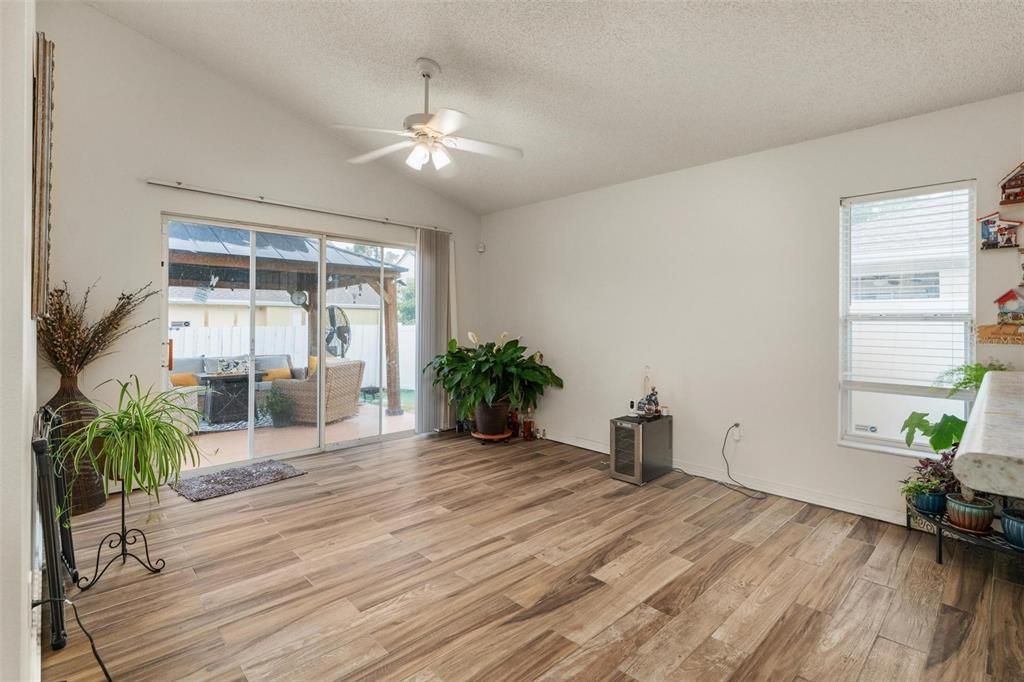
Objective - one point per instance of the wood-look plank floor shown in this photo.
(437, 558)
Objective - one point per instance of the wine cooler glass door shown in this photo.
(626, 462)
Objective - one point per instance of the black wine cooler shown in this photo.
(641, 448)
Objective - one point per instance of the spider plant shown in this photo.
(142, 442)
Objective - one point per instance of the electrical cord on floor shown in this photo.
(738, 487)
(92, 642)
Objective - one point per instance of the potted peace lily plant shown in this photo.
(486, 380)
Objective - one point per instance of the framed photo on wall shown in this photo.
(42, 147)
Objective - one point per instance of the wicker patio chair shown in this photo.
(341, 392)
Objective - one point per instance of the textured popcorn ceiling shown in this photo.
(598, 93)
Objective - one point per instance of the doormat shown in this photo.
(237, 479)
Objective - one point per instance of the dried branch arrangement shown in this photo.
(69, 342)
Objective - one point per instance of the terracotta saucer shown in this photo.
(987, 531)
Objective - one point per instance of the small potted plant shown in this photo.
(487, 379)
(926, 496)
(1013, 527)
(280, 406)
(966, 510)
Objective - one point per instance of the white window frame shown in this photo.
(847, 436)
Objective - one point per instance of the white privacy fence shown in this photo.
(191, 342)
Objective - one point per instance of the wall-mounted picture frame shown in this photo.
(42, 161)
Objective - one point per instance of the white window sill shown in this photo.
(913, 453)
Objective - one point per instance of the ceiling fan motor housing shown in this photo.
(416, 121)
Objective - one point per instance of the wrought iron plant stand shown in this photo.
(121, 541)
(940, 524)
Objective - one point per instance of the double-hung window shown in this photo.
(907, 307)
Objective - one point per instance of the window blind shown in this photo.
(908, 285)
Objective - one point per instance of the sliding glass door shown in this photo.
(287, 342)
(208, 308)
(285, 389)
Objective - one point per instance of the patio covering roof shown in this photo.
(220, 250)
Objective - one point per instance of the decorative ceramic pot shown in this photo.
(86, 487)
(975, 516)
(1013, 527)
(930, 503)
(492, 420)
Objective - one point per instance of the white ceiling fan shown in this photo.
(430, 136)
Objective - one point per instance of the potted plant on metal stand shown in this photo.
(966, 510)
(935, 489)
(932, 481)
(487, 379)
(142, 443)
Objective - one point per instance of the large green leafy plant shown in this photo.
(946, 433)
(491, 373)
(142, 442)
(942, 435)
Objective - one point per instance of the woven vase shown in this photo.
(86, 488)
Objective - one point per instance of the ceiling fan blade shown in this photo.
(447, 121)
(345, 126)
(383, 151)
(500, 151)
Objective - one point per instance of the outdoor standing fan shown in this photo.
(339, 331)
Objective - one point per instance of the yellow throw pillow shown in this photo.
(184, 379)
(312, 366)
(277, 373)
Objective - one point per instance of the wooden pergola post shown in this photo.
(316, 330)
(390, 300)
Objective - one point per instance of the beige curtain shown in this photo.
(435, 304)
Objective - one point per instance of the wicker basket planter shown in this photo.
(86, 488)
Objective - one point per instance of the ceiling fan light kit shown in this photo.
(418, 156)
(430, 136)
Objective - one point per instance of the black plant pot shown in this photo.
(278, 421)
(492, 420)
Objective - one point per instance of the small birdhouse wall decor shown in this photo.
(997, 232)
(1012, 186)
(1011, 307)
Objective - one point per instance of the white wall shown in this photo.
(127, 109)
(724, 279)
(19, 643)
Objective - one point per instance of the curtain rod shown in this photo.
(907, 189)
(260, 199)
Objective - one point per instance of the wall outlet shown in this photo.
(737, 433)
